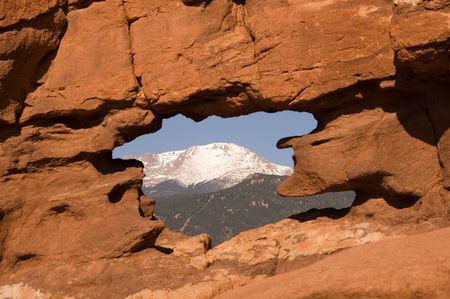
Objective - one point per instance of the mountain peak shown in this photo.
(217, 146)
(220, 165)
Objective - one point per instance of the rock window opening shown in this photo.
(219, 176)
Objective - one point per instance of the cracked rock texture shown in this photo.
(79, 78)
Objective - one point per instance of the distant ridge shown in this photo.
(246, 205)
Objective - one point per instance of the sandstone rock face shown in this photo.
(259, 56)
(357, 152)
(78, 78)
(367, 271)
(25, 52)
(81, 108)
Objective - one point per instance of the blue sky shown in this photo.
(258, 132)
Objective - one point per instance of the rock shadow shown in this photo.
(362, 197)
(418, 111)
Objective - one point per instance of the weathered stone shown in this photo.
(421, 42)
(376, 79)
(402, 268)
(102, 220)
(14, 11)
(23, 59)
(93, 67)
(439, 111)
(147, 206)
(240, 63)
(367, 151)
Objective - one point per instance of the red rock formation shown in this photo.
(78, 78)
(369, 271)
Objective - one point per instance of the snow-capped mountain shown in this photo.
(203, 168)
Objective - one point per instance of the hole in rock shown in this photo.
(164, 250)
(117, 193)
(319, 142)
(25, 257)
(219, 176)
(59, 209)
(396, 201)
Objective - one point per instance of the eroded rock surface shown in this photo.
(78, 78)
(369, 271)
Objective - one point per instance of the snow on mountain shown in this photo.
(225, 164)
